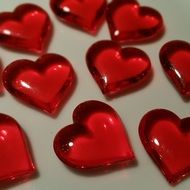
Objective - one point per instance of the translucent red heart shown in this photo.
(166, 138)
(45, 84)
(96, 139)
(28, 28)
(116, 69)
(175, 60)
(15, 160)
(129, 22)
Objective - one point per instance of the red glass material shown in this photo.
(175, 59)
(117, 69)
(166, 138)
(45, 83)
(1, 84)
(28, 29)
(128, 22)
(96, 139)
(15, 160)
(87, 15)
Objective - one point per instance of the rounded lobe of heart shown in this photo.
(175, 60)
(15, 160)
(87, 15)
(44, 83)
(88, 143)
(117, 69)
(17, 29)
(130, 23)
(166, 138)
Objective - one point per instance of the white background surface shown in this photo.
(41, 129)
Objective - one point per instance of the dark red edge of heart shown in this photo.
(15, 16)
(40, 61)
(1, 81)
(172, 179)
(21, 174)
(178, 83)
(91, 30)
(131, 83)
(75, 124)
(155, 36)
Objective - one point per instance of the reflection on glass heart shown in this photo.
(117, 69)
(175, 59)
(128, 22)
(28, 29)
(166, 138)
(96, 139)
(45, 84)
(15, 160)
(87, 15)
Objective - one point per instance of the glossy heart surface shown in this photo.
(86, 15)
(128, 22)
(15, 160)
(96, 139)
(117, 69)
(45, 84)
(175, 60)
(27, 28)
(166, 138)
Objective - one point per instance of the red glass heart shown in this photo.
(166, 138)
(128, 22)
(87, 15)
(175, 59)
(28, 28)
(45, 83)
(96, 139)
(15, 160)
(117, 69)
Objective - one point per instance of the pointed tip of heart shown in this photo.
(18, 177)
(85, 15)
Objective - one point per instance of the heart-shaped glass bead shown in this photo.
(175, 60)
(96, 139)
(166, 138)
(45, 83)
(28, 28)
(15, 159)
(117, 69)
(128, 22)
